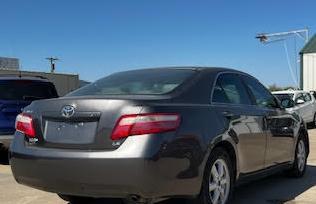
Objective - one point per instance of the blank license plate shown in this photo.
(70, 132)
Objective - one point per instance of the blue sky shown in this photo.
(96, 38)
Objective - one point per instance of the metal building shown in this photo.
(64, 83)
(308, 66)
(9, 63)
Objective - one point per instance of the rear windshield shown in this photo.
(26, 90)
(284, 96)
(142, 82)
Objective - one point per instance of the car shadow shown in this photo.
(275, 189)
(310, 126)
(4, 159)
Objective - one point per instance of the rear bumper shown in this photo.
(85, 177)
(129, 170)
(6, 140)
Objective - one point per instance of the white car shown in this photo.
(304, 103)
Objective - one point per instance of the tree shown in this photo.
(275, 87)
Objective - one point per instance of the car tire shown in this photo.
(4, 154)
(299, 166)
(218, 182)
(314, 121)
(3, 148)
(76, 199)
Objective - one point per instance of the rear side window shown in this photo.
(139, 82)
(262, 96)
(26, 90)
(229, 89)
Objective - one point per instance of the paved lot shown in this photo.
(272, 190)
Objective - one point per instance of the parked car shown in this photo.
(304, 103)
(15, 93)
(147, 135)
(313, 93)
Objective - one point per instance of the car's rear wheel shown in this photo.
(3, 148)
(4, 154)
(299, 166)
(218, 179)
(314, 121)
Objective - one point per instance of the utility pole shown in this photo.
(303, 34)
(52, 63)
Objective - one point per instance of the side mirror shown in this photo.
(300, 101)
(287, 103)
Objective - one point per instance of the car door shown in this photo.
(243, 122)
(310, 107)
(312, 94)
(301, 108)
(279, 124)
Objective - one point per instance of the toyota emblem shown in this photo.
(68, 111)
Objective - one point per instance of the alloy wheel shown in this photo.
(301, 156)
(219, 182)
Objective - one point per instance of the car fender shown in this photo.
(221, 140)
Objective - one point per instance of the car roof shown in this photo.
(289, 92)
(193, 68)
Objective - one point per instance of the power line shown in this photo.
(289, 63)
(272, 37)
(282, 36)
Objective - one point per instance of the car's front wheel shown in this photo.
(218, 179)
(300, 161)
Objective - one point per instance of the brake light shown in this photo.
(24, 124)
(148, 123)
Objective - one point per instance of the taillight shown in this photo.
(148, 123)
(24, 124)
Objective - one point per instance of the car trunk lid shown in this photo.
(88, 127)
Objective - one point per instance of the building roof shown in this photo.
(310, 46)
(31, 78)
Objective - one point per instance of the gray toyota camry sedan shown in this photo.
(152, 134)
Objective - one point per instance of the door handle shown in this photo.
(228, 114)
